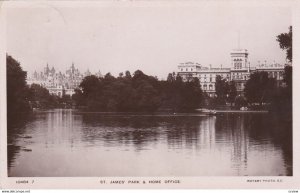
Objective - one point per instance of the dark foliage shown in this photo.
(40, 97)
(259, 88)
(232, 93)
(225, 91)
(17, 91)
(285, 42)
(282, 102)
(138, 93)
(240, 101)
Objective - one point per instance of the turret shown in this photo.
(239, 59)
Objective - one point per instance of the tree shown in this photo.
(17, 90)
(170, 78)
(178, 78)
(288, 76)
(191, 95)
(240, 102)
(282, 100)
(285, 43)
(232, 92)
(127, 75)
(89, 85)
(121, 74)
(109, 77)
(140, 93)
(222, 89)
(41, 98)
(78, 98)
(92, 89)
(259, 88)
(148, 97)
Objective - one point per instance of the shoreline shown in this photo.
(196, 112)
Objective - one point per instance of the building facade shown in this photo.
(238, 72)
(58, 83)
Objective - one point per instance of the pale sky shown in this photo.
(152, 37)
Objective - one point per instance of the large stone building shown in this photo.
(239, 72)
(59, 83)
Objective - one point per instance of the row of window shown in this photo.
(207, 87)
(214, 75)
(207, 80)
(235, 76)
(277, 75)
(239, 77)
(203, 79)
(186, 69)
(238, 65)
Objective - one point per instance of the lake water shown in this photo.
(72, 143)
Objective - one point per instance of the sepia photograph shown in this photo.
(149, 89)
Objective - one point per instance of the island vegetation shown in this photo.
(138, 93)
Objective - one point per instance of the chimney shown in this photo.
(209, 66)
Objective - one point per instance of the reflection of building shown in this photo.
(58, 83)
(239, 72)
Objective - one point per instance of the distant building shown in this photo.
(239, 72)
(59, 83)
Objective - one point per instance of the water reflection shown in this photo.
(72, 143)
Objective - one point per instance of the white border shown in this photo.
(186, 182)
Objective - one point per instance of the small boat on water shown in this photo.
(208, 111)
(244, 108)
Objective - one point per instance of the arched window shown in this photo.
(210, 87)
(204, 87)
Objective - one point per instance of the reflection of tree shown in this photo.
(231, 130)
(15, 130)
(240, 130)
(141, 130)
(278, 131)
(240, 143)
(192, 132)
(121, 129)
(227, 135)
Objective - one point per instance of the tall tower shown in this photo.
(72, 68)
(46, 70)
(239, 59)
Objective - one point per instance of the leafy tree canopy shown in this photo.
(17, 90)
(285, 42)
(139, 92)
(259, 88)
